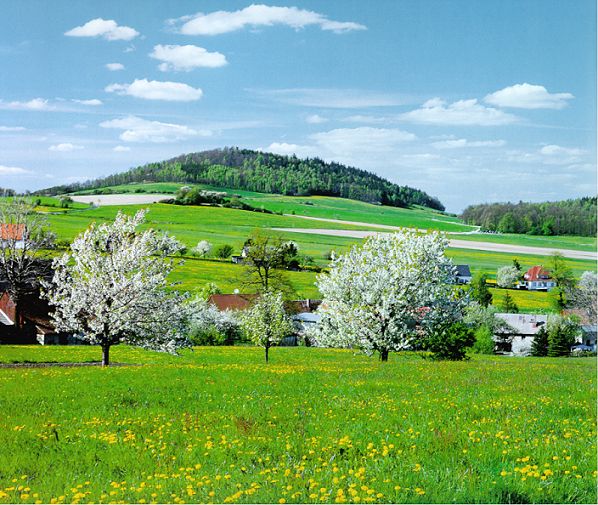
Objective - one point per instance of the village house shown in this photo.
(462, 274)
(537, 278)
(517, 340)
(12, 235)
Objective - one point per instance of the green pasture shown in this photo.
(217, 425)
(560, 242)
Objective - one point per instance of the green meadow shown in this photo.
(217, 425)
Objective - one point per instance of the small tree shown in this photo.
(480, 291)
(561, 335)
(563, 276)
(388, 294)
(540, 343)
(24, 242)
(224, 251)
(266, 322)
(507, 276)
(508, 305)
(209, 326)
(112, 288)
(203, 248)
(584, 296)
(484, 343)
(451, 342)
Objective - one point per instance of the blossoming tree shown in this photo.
(388, 294)
(266, 322)
(111, 288)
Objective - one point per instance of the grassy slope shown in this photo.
(216, 425)
(220, 226)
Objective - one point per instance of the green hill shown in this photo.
(245, 169)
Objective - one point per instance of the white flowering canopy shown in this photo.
(387, 293)
(112, 288)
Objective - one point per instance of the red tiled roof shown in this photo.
(11, 231)
(537, 273)
(232, 302)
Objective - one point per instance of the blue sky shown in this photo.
(471, 101)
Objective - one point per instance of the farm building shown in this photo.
(462, 274)
(517, 340)
(537, 278)
(12, 235)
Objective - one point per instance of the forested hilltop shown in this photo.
(567, 217)
(267, 173)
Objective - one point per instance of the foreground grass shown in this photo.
(217, 425)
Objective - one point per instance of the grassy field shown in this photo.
(314, 426)
(229, 226)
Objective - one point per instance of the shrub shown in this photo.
(452, 342)
(223, 251)
(484, 343)
(540, 343)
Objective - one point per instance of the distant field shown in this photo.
(217, 425)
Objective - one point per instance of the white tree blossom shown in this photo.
(387, 294)
(266, 323)
(111, 288)
(585, 295)
(507, 276)
(203, 248)
(204, 316)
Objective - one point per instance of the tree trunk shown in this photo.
(383, 354)
(105, 355)
(18, 325)
(267, 349)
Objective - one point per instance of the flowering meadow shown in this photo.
(218, 425)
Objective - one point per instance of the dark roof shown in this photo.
(463, 271)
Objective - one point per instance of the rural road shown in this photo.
(460, 244)
(128, 199)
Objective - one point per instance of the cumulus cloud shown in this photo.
(461, 143)
(93, 101)
(550, 154)
(461, 113)
(157, 90)
(288, 149)
(105, 28)
(186, 57)
(315, 119)
(37, 104)
(136, 129)
(114, 67)
(255, 16)
(12, 128)
(4, 170)
(121, 149)
(528, 96)
(364, 139)
(67, 147)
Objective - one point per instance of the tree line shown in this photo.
(567, 217)
(267, 173)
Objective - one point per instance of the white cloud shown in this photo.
(332, 98)
(549, 155)
(114, 67)
(461, 143)
(186, 57)
(106, 28)
(315, 119)
(461, 113)
(288, 149)
(554, 150)
(93, 101)
(67, 147)
(157, 90)
(12, 128)
(37, 104)
(255, 16)
(121, 149)
(366, 119)
(4, 170)
(141, 130)
(343, 141)
(528, 96)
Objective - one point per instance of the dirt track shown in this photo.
(126, 199)
(460, 244)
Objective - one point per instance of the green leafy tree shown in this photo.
(223, 251)
(508, 305)
(540, 343)
(484, 343)
(266, 323)
(563, 276)
(561, 335)
(480, 291)
(451, 343)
